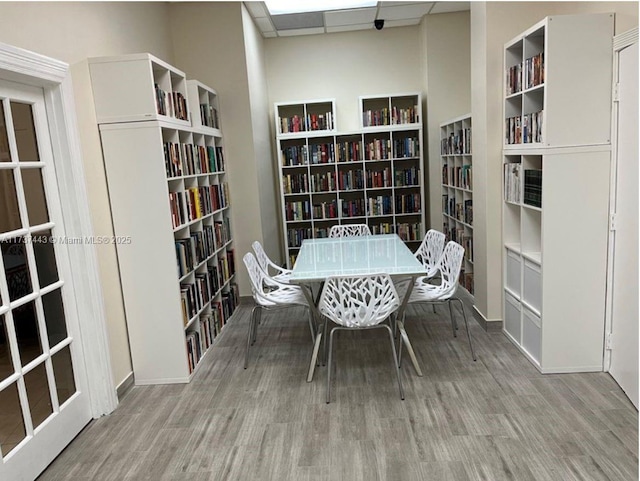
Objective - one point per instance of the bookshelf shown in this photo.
(372, 175)
(556, 194)
(169, 201)
(457, 189)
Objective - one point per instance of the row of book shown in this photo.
(295, 236)
(457, 143)
(527, 74)
(525, 129)
(407, 177)
(196, 202)
(171, 104)
(379, 205)
(462, 211)
(351, 179)
(295, 184)
(324, 182)
(195, 249)
(310, 123)
(394, 116)
(466, 280)
(406, 147)
(353, 208)
(348, 151)
(532, 187)
(325, 210)
(210, 325)
(209, 116)
(512, 182)
(409, 231)
(408, 204)
(294, 155)
(379, 178)
(457, 176)
(321, 153)
(190, 159)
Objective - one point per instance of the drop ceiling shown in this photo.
(394, 14)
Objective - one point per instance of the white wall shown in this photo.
(448, 90)
(72, 32)
(492, 25)
(260, 120)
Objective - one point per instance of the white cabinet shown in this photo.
(556, 162)
(169, 198)
(457, 189)
(371, 176)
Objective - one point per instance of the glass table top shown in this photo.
(322, 258)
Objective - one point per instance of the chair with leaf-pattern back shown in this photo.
(449, 266)
(349, 230)
(268, 294)
(356, 303)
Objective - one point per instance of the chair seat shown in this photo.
(277, 295)
(423, 291)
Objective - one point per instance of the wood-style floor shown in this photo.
(494, 419)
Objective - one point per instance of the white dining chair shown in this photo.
(357, 303)
(281, 274)
(269, 294)
(430, 251)
(423, 291)
(349, 230)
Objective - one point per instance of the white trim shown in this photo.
(620, 42)
(53, 76)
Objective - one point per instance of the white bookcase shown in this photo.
(168, 197)
(457, 189)
(372, 175)
(556, 192)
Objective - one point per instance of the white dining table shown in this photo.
(320, 259)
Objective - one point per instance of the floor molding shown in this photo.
(486, 324)
(124, 387)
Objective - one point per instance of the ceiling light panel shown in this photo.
(280, 7)
(349, 17)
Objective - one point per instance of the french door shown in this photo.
(44, 401)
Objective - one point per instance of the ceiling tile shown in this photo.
(264, 24)
(269, 34)
(257, 9)
(404, 11)
(294, 21)
(401, 23)
(444, 7)
(348, 28)
(300, 31)
(349, 17)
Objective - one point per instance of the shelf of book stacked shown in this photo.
(168, 190)
(387, 112)
(371, 176)
(457, 189)
(314, 117)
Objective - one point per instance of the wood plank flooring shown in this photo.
(494, 419)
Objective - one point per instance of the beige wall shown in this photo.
(260, 120)
(72, 32)
(448, 90)
(218, 59)
(492, 25)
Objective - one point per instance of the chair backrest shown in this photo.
(349, 230)
(257, 277)
(261, 256)
(358, 301)
(430, 251)
(449, 265)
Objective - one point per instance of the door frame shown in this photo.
(620, 42)
(53, 76)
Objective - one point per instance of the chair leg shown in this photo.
(312, 326)
(324, 349)
(255, 326)
(333, 331)
(454, 327)
(434, 308)
(466, 325)
(395, 360)
(250, 335)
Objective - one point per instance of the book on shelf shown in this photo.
(512, 182)
(532, 187)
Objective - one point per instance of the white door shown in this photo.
(624, 318)
(44, 401)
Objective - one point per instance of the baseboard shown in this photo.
(493, 325)
(124, 387)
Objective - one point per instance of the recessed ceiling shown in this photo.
(394, 14)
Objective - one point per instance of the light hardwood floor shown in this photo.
(495, 419)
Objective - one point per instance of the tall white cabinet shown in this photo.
(370, 176)
(164, 159)
(556, 161)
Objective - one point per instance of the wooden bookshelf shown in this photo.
(372, 175)
(556, 192)
(457, 189)
(168, 192)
